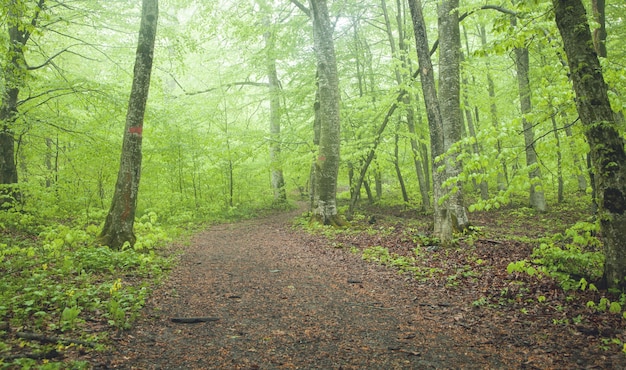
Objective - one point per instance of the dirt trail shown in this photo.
(285, 302)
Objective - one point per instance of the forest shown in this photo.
(475, 146)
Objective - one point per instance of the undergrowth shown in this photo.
(55, 282)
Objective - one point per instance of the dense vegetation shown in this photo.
(207, 141)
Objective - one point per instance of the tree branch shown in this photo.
(467, 14)
(244, 83)
(302, 7)
(52, 57)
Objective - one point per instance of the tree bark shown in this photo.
(277, 179)
(403, 77)
(14, 75)
(443, 222)
(450, 101)
(396, 165)
(118, 227)
(327, 162)
(536, 197)
(502, 176)
(600, 126)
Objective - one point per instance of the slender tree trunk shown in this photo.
(502, 176)
(401, 77)
(327, 162)
(605, 142)
(581, 179)
(559, 159)
(536, 199)
(277, 179)
(14, 74)
(368, 191)
(483, 186)
(118, 227)
(396, 165)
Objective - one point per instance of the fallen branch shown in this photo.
(52, 339)
(192, 320)
(490, 241)
(35, 356)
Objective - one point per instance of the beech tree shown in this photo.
(327, 161)
(20, 26)
(450, 103)
(118, 227)
(449, 215)
(276, 171)
(522, 63)
(600, 125)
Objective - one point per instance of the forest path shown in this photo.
(284, 302)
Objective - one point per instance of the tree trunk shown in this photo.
(118, 227)
(581, 179)
(402, 76)
(277, 179)
(559, 157)
(536, 198)
(327, 162)
(605, 142)
(483, 186)
(396, 165)
(14, 73)
(443, 223)
(450, 102)
(502, 176)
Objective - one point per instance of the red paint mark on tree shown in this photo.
(135, 130)
(321, 158)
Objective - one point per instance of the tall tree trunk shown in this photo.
(502, 176)
(327, 162)
(118, 227)
(605, 142)
(483, 186)
(317, 127)
(402, 76)
(450, 103)
(536, 198)
(277, 179)
(15, 69)
(471, 127)
(443, 223)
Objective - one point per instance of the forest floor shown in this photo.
(285, 298)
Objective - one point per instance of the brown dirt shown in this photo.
(289, 300)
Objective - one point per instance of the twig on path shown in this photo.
(370, 306)
(192, 320)
(398, 349)
(490, 241)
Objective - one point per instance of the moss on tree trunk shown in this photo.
(605, 142)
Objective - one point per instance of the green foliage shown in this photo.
(402, 264)
(59, 280)
(573, 259)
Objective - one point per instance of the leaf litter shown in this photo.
(287, 299)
